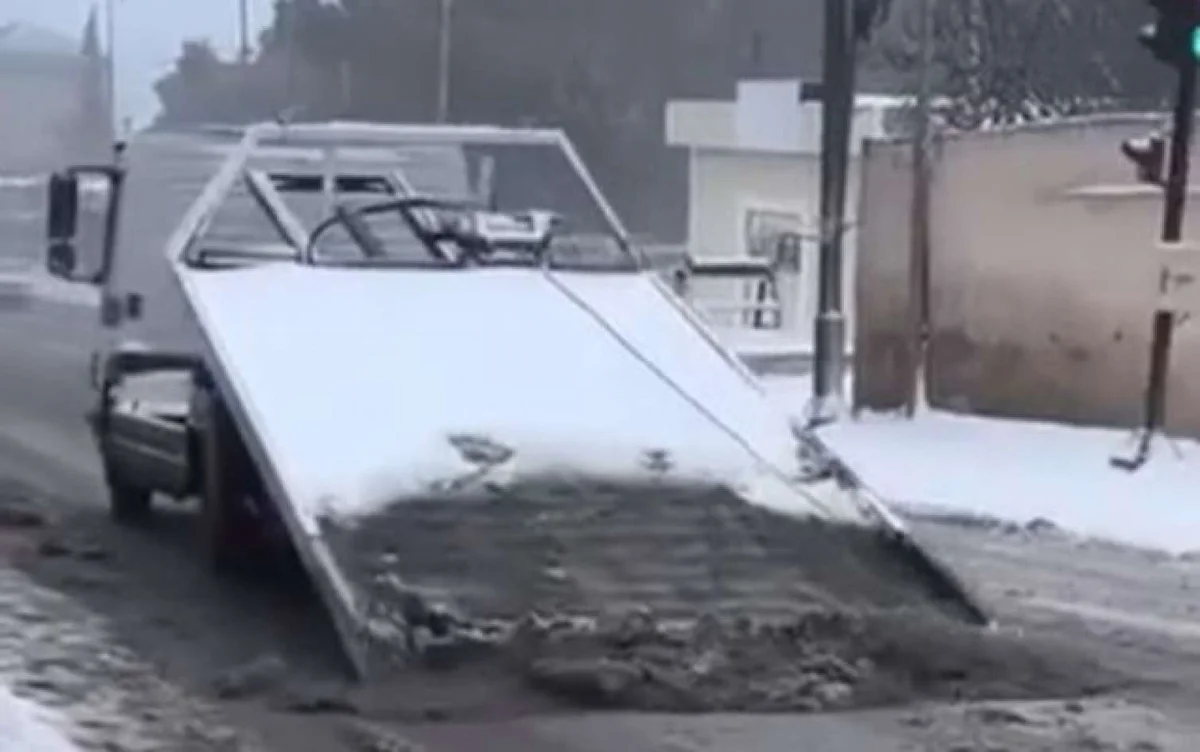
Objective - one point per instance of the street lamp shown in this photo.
(445, 15)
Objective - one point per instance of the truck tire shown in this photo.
(223, 520)
(127, 504)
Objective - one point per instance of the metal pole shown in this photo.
(446, 14)
(1163, 325)
(919, 248)
(837, 107)
(1181, 141)
(244, 31)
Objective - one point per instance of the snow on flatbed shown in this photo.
(598, 386)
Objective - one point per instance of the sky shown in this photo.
(149, 34)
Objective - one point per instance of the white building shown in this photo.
(754, 177)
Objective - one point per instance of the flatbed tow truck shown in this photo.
(314, 322)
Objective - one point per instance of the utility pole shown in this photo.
(919, 240)
(1175, 40)
(445, 18)
(837, 109)
(110, 73)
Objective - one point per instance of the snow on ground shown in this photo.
(26, 727)
(44, 287)
(38, 285)
(1022, 470)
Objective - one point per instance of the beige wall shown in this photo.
(1043, 278)
(884, 350)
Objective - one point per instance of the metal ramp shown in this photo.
(359, 387)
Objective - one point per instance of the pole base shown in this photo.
(829, 366)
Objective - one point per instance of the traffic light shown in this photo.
(1148, 155)
(1173, 37)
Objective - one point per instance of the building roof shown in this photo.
(24, 39)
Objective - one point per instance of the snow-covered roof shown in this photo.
(34, 40)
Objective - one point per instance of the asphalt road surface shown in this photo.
(1135, 610)
(44, 355)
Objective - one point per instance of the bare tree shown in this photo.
(998, 62)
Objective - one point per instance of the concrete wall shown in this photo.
(1043, 278)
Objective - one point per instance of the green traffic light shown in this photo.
(1196, 43)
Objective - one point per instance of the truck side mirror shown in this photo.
(62, 217)
(61, 225)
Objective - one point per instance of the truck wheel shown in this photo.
(127, 503)
(222, 519)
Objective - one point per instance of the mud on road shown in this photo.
(1079, 619)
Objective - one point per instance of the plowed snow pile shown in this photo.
(673, 599)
